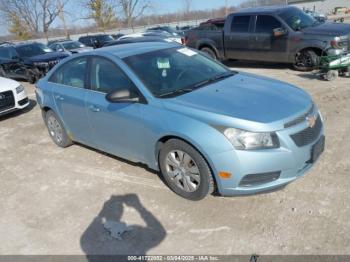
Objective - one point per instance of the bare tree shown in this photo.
(27, 10)
(101, 11)
(133, 9)
(38, 15)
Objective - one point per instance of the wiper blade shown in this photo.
(213, 79)
(176, 92)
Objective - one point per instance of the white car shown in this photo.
(13, 96)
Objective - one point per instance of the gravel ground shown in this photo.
(54, 200)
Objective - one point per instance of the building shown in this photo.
(322, 6)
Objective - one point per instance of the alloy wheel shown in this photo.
(55, 129)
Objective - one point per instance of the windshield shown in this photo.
(33, 50)
(298, 19)
(105, 38)
(171, 72)
(72, 45)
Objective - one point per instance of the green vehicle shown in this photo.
(333, 66)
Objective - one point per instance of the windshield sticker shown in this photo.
(163, 63)
(187, 52)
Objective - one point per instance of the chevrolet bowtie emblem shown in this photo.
(311, 121)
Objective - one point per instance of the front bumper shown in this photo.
(289, 161)
(21, 101)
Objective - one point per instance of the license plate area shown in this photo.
(317, 150)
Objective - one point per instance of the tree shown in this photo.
(102, 12)
(132, 9)
(38, 15)
(18, 27)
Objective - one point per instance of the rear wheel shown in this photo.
(185, 170)
(56, 130)
(210, 52)
(306, 60)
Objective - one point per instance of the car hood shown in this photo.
(243, 97)
(81, 49)
(330, 29)
(7, 84)
(49, 57)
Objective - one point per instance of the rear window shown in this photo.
(240, 23)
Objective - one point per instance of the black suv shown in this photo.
(96, 41)
(28, 61)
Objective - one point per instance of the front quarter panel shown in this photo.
(161, 122)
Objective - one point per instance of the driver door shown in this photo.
(116, 126)
(265, 45)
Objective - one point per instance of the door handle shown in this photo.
(58, 97)
(94, 108)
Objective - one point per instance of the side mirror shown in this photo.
(121, 96)
(278, 32)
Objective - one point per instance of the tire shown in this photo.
(306, 60)
(210, 52)
(175, 170)
(30, 76)
(331, 75)
(56, 130)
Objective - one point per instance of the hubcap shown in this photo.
(182, 170)
(55, 129)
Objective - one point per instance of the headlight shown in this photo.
(340, 42)
(19, 89)
(244, 140)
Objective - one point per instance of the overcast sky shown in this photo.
(160, 7)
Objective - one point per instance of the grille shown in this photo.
(300, 119)
(53, 63)
(7, 100)
(258, 179)
(308, 135)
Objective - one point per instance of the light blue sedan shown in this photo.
(205, 128)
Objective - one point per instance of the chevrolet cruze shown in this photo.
(205, 128)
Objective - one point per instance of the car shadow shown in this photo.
(97, 240)
(30, 107)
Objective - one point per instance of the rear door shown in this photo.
(69, 94)
(265, 46)
(237, 37)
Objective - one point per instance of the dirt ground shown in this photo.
(53, 200)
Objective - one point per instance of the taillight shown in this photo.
(184, 40)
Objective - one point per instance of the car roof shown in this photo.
(132, 49)
(265, 9)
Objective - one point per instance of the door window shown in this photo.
(266, 24)
(106, 77)
(71, 73)
(5, 53)
(240, 23)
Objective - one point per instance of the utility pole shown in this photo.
(226, 8)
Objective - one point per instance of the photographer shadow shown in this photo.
(96, 241)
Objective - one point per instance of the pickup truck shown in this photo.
(282, 34)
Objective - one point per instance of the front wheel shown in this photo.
(56, 130)
(306, 60)
(185, 170)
